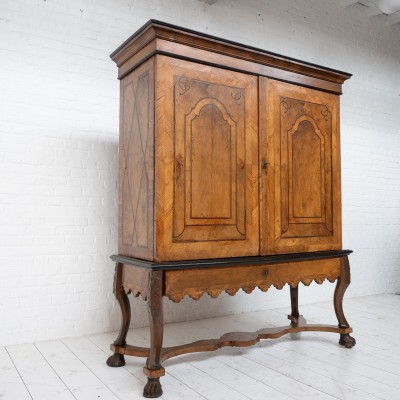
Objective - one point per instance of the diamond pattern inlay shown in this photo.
(134, 154)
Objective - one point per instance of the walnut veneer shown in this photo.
(229, 178)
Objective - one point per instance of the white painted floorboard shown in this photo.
(303, 366)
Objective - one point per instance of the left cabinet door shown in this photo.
(206, 162)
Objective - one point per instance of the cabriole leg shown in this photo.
(294, 300)
(118, 360)
(343, 282)
(153, 369)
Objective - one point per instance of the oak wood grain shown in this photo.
(136, 163)
(180, 42)
(206, 162)
(189, 53)
(300, 188)
(196, 282)
(135, 281)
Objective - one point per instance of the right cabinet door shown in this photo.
(300, 169)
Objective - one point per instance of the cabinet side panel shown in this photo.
(136, 163)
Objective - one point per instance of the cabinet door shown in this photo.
(206, 162)
(300, 169)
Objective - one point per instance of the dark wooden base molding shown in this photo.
(152, 282)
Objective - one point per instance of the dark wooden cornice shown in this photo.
(152, 39)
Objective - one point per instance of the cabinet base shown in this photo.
(154, 283)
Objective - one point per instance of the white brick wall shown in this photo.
(58, 147)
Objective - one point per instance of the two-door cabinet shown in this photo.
(229, 178)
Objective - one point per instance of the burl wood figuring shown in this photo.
(229, 179)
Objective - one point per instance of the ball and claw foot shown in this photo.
(116, 360)
(347, 341)
(152, 388)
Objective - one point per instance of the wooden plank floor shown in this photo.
(303, 366)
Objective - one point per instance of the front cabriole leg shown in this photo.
(294, 300)
(118, 360)
(343, 282)
(153, 369)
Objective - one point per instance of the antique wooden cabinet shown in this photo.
(229, 178)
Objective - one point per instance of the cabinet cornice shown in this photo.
(157, 37)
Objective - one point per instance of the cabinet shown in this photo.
(229, 179)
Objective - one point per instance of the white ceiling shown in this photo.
(388, 8)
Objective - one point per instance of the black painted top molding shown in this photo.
(229, 262)
(161, 27)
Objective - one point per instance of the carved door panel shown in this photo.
(300, 195)
(206, 162)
